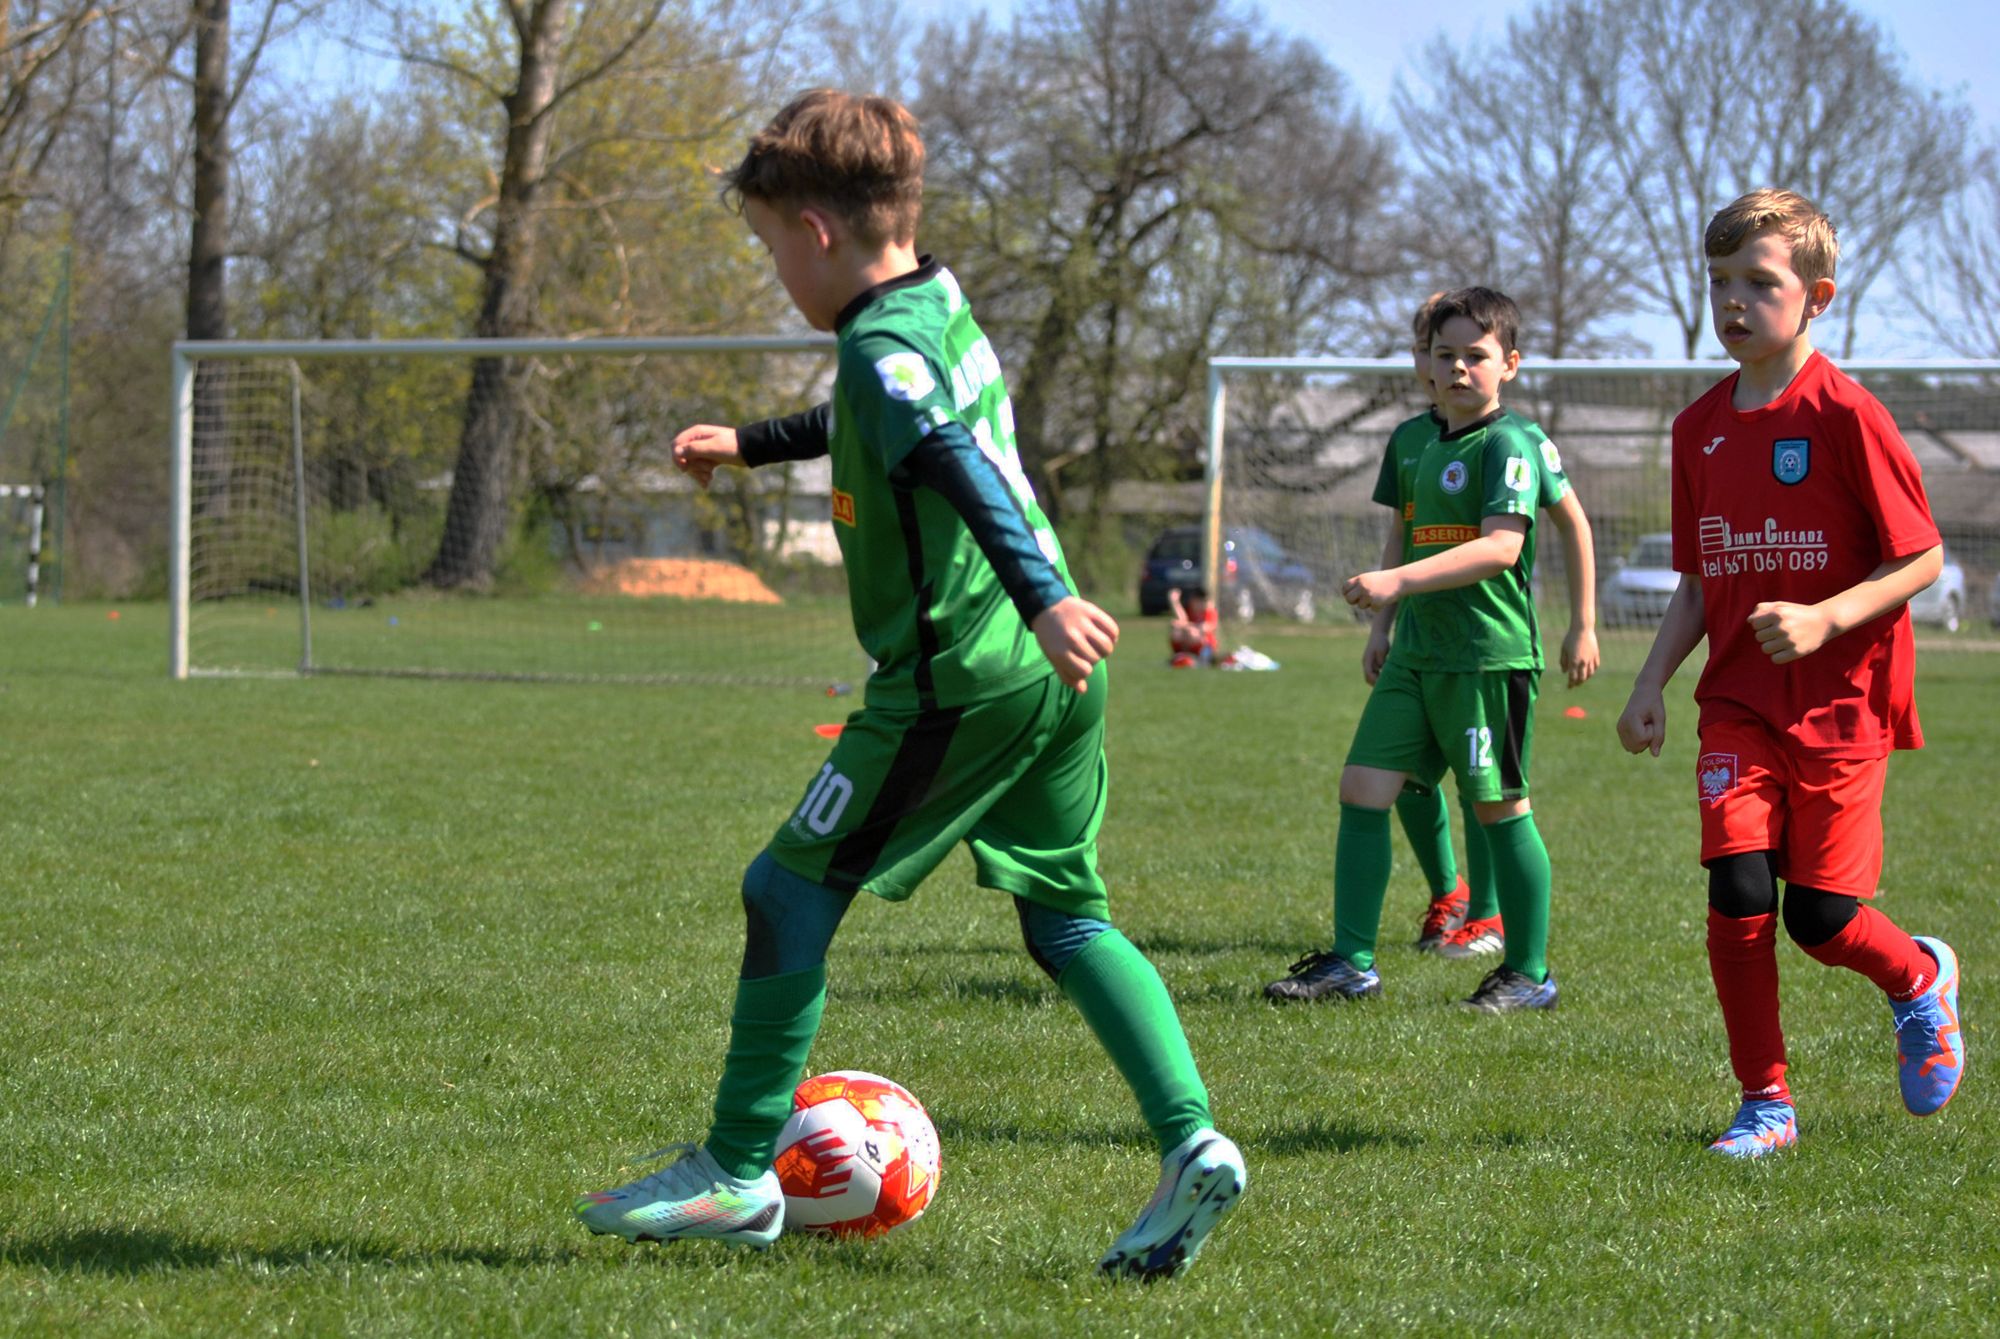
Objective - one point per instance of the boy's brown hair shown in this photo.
(1815, 248)
(1420, 324)
(1488, 308)
(859, 157)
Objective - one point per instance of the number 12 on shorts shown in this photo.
(1478, 747)
(826, 801)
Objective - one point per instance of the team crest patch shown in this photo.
(1716, 774)
(1453, 478)
(1791, 458)
(905, 376)
(843, 507)
(1552, 458)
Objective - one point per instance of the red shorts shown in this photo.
(1822, 816)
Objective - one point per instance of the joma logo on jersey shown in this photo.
(1444, 534)
(1716, 775)
(843, 507)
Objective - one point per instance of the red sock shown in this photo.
(1873, 946)
(1743, 959)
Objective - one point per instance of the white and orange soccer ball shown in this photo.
(859, 1156)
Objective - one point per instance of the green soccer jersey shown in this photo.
(928, 606)
(1490, 468)
(1396, 483)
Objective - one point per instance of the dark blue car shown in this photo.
(1258, 575)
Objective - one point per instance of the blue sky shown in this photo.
(1949, 45)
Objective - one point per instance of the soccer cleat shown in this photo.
(1474, 938)
(1930, 1049)
(1319, 976)
(1445, 913)
(1506, 991)
(1200, 1182)
(1762, 1125)
(689, 1197)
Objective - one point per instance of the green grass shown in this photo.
(320, 999)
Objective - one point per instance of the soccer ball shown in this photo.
(859, 1156)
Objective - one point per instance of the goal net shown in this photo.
(1295, 443)
(499, 509)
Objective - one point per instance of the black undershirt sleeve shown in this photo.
(800, 436)
(950, 461)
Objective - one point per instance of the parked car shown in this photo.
(1943, 601)
(1642, 582)
(1258, 575)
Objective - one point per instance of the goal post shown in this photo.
(1294, 445)
(311, 480)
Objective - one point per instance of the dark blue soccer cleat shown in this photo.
(1506, 991)
(1322, 976)
(1930, 1049)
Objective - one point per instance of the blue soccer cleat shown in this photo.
(1763, 1125)
(1322, 976)
(689, 1197)
(1506, 991)
(1930, 1049)
(1200, 1182)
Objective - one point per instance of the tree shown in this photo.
(1519, 186)
(1830, 113)
(1129, 185)
(610, 74)
(1955, 279)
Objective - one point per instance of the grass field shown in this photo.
(321, 999)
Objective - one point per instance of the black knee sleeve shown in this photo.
(1742, 886)
(1812, 917)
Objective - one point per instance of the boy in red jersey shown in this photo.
(1191, 638)
(1800, 523)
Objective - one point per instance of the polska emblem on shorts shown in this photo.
(1791, 457)
(1716, 775)
(1453, 478)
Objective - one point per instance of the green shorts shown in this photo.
(1480, 726)
(1021, 780)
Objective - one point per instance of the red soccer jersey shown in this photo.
(1797, 501)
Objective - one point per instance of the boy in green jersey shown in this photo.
(1457, 689)
(1463, 917)
(982, 723)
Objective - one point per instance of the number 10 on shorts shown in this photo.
(1478, 747)
(825, 802)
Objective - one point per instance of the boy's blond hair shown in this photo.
(859, 157)
(1815, 248)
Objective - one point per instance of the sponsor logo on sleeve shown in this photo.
(1520, 476)
(1552, 458)
(905, 376)
(1791, 459)
(843, 507)
(1716, 776)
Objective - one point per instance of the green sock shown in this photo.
(1521, 869)
(770, 1033)
(1361, 860)
(1123, 1000)
(1485, 899)
(1428, 826)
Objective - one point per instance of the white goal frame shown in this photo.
(186, 353)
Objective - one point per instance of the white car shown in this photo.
(1641, 584)
(1943, 601)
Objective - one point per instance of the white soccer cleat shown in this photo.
(1200, 1182)
(689, 1197)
